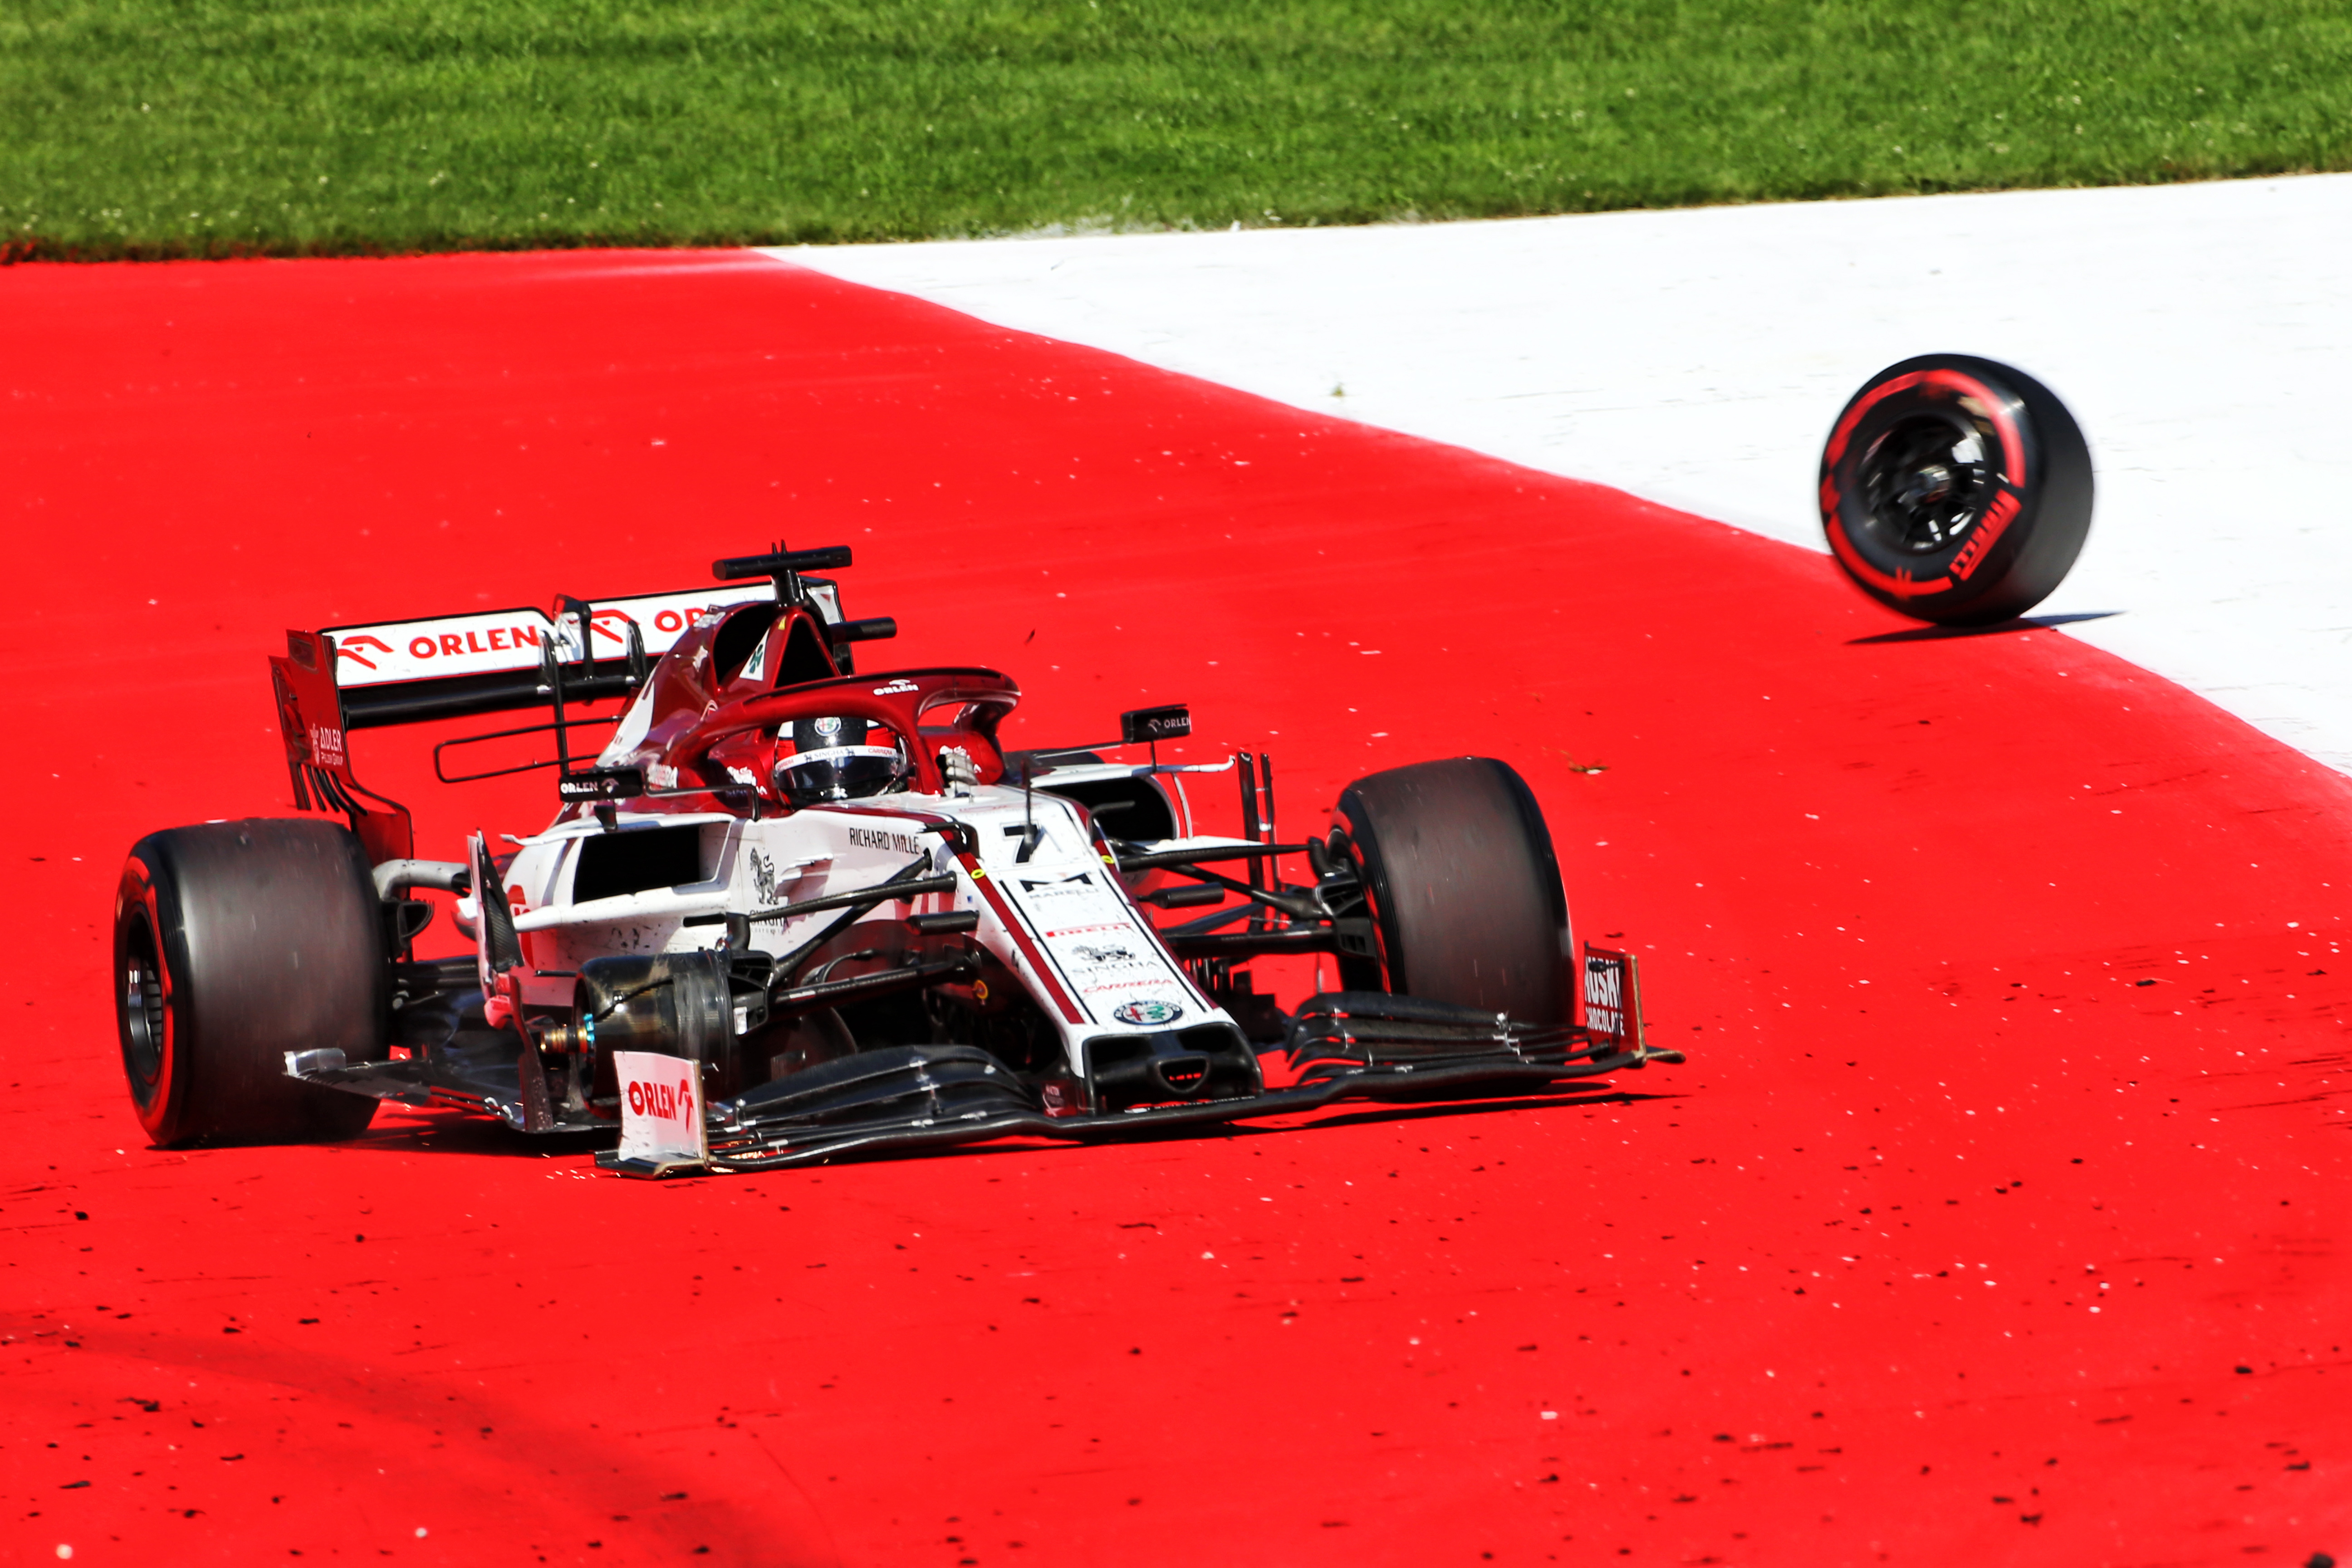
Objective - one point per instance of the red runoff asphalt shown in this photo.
(1993, 1217)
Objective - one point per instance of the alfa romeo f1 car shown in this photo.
(789, 911)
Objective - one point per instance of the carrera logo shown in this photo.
(326, 746)
(667, 1102)
(1145, 1012)
(896, 688)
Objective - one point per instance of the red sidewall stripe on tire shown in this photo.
(1996, 408)
(1988, 532)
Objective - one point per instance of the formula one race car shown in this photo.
(789, 911)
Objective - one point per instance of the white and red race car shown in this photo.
(789, 911)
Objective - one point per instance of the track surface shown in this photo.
(1994, 1218)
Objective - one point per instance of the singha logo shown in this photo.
(763, 878)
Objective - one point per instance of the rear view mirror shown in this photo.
(1145, 724)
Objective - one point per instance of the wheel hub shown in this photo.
(1928, 485)
(1923, 481)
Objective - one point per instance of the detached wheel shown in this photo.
(234, 943)
(1956, 490)
(1463, 889)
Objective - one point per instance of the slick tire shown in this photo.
(1463, 889)
(234, 943)
(1956, 490)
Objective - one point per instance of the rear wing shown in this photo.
(341, 678)
(489, 661)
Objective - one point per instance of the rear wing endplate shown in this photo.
(310, 717)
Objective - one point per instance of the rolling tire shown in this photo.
(1463, 889)
(234, 943)
(1956, 490)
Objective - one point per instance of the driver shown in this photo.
(831, 758)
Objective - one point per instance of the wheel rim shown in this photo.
(1926, 482)
(140, 1005)
(1376, 970)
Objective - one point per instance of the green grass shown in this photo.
(208, 127)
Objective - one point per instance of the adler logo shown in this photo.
(896, 688)
(326, 746)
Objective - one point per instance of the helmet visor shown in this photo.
(838, 773)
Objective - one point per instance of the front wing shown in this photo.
(1344, 1045)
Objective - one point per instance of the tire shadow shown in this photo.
(2022, 624)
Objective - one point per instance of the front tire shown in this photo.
(234, 943)
(1956, 490)
(1463, 889)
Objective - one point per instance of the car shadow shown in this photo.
(1482, 1105)
(1471, 1103)
(451, 1131)
(460, 1133)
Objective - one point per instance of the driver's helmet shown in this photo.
(826, 759)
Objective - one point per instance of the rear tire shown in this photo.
(234, 943)
(1463, 889)
(1955, 489)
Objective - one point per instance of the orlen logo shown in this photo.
(326, 746)
(666, 1102)
(347, 647)
(897, 688)
(676, 620)
(495, 639)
